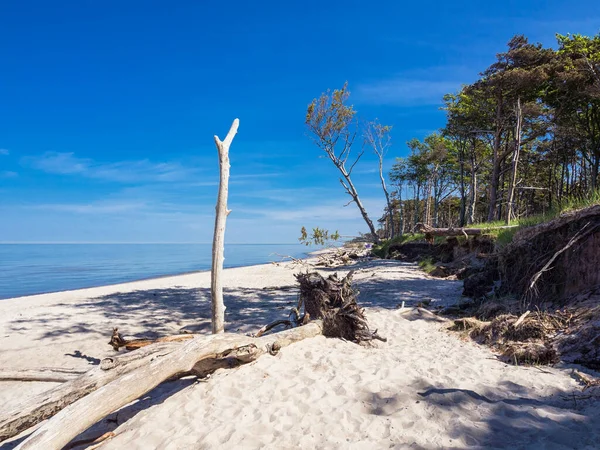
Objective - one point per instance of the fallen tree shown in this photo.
(428, 230)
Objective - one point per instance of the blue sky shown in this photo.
(108, 108)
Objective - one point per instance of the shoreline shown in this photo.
(306, 256)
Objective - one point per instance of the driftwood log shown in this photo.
(46, 404)
(50, 374)
(79, 416)
(117, 341)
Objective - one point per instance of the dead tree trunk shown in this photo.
(216, 282)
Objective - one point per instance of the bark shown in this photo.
(70, 422)
(45, 405)
(216, 282)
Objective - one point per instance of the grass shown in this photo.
(505, 236)
(426, 264)
(382, 250)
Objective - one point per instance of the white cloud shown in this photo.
(8, 174)
(123, 171)
(4, 152)
(91, 208)
(330, 211)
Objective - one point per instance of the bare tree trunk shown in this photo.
(387, 197)
(463, 196)
(515, 161)
(351, 190)
(417, 217)
(473, 198)
(428, 201)
(400, 213)
(216, 282)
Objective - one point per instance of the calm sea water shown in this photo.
(27, 269)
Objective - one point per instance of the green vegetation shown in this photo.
(318, 236)
(520, 145)
(382, 250)
(427, 264)
(504, 236)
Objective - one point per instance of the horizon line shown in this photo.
(139, 243)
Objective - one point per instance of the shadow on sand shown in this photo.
(498, 417)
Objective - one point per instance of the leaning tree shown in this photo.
(332, 124)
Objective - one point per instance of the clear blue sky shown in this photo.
(108, 108)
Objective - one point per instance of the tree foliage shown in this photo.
(318, 236)
(521, 140)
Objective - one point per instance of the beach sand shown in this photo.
(423, 388)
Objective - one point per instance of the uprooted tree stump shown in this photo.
(334, 301)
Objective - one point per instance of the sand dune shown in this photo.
(424, 388)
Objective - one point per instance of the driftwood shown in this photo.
(428, 230)
(79, 416)
(587, 380)
(46, 404)
(52, 375)
(334, 301)
(117, 341)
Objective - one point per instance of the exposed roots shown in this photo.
(334, 301)
(520, 340)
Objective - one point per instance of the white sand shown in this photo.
(424, 388)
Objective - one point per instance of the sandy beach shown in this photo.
(423, 388)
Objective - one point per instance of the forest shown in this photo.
(523, 140)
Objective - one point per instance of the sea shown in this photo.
(28, 269)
